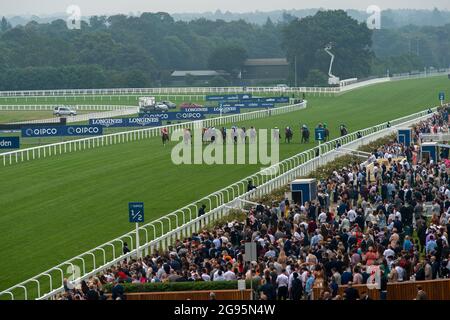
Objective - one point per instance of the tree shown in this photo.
(230, 58)
(4, 25)
(316, 78)
(218, 81)
(351, 41)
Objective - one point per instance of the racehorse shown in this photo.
(289, 134)
(164, 136)
(305, 135)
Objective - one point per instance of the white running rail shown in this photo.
(50, 107)
(86, 116)
(162, 232)
(205, 90)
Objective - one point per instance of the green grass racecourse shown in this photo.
(55, 208)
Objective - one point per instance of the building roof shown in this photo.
(266, 62)
(198, 73)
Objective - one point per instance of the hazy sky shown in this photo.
(90, 7)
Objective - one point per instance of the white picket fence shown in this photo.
(51, 107)
(17, 156)
(162, 232)
(163, 91)
(206, 90)
(86, 116)
(422, 74)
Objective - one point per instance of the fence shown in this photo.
(435, 289)
(87, 116)
(361, 84)
(162, 232)
(163, 91)
(209, 90)
(424, 74)
(108, 99)
(133, 135)
(51, 107)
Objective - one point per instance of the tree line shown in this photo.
(130, 51)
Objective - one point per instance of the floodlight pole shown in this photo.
(295, 72)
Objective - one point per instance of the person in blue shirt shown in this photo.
(346, 276)
(407, 244)
(309, 286)
(431, 245)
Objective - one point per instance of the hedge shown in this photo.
(179, 286)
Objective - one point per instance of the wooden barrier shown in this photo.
(191, 295)
(373, 294)
(435, 290)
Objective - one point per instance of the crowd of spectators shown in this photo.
(394, 220)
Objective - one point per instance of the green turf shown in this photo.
(55, 208)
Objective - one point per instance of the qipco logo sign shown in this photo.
(374, 280)
(81, 131)
(39, 132)
(189, 115)
(374, 19)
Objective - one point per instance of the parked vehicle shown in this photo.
(170, 104)
(147, 104)
(282, 87)
(64, 111)
(161, 107)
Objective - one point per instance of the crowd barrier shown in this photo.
(162, 232)
(435, 289)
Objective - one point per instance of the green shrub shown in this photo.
(179, 286)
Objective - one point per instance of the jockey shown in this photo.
(164, 135)
(276, 134)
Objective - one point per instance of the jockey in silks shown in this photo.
(234, 134)
(164, 135)
(288, 134)
(252, 133)
(243, 135)
(187, 136)
(305, 134)
(276, 135)
(327, 132)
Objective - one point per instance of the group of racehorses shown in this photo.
(305, 133)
